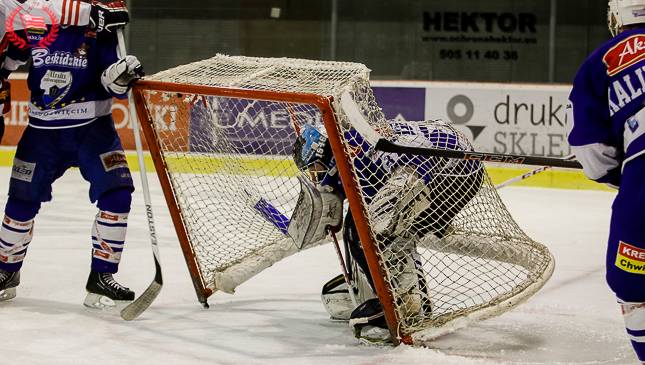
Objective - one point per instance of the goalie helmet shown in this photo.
(624, 12)
(313, 156)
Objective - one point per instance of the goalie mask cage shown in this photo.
(221, 132)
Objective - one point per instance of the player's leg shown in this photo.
(102, 163)
(626, 253)
(36, 165)
(449, 194)
(15, 237)
(403, 203)
(368, 319)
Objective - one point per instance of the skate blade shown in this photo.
(7, 294)
(103, 303)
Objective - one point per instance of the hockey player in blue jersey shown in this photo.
(100, 17)
(408, 197)
(72, 82)
(608, 138)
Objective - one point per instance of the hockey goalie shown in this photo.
(409, 197)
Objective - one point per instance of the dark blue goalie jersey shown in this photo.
(373, 168)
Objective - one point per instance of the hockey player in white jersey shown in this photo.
(72, 80)
(408, 197)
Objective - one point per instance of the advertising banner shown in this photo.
(18, 118)
(500, 118)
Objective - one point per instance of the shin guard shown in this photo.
(108, 238)
(15, 237)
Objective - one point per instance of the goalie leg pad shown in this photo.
(398, 204)
(336, 299)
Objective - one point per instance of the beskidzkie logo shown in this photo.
(27, 25)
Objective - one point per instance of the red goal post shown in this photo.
(323, 103)
(214, 172)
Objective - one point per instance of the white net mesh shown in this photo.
(447, 244)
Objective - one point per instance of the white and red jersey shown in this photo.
(26, 13)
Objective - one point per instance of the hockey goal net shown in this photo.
(221, 133)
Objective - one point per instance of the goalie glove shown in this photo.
(106, 17)
(119, 76)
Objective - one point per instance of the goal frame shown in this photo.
(325, 105)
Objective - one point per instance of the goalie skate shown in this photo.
(8, 283)
(368, 323)
(103, 292)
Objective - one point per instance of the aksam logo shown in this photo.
(31, 19)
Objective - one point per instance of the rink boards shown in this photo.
(500, 118)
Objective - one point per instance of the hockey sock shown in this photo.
(109, 229)
(634, 314)
(16, 233)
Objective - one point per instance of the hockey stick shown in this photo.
(343, 267)
(529, 174)
(387, 146)
(371, 136)
(139, 305)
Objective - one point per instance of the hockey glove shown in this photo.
(106, 17)
(118, 78)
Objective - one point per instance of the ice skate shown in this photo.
(103, 292)
(368, 323)
(8, 283)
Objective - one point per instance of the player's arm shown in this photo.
(590, 133)
(101, 17)
(13, 57)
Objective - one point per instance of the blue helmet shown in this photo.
(312, 154)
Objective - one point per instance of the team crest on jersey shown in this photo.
(32, 17)
(55, 85)
(624, 54)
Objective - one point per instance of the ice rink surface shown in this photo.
(277, 317)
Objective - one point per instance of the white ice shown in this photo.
(277, 317)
